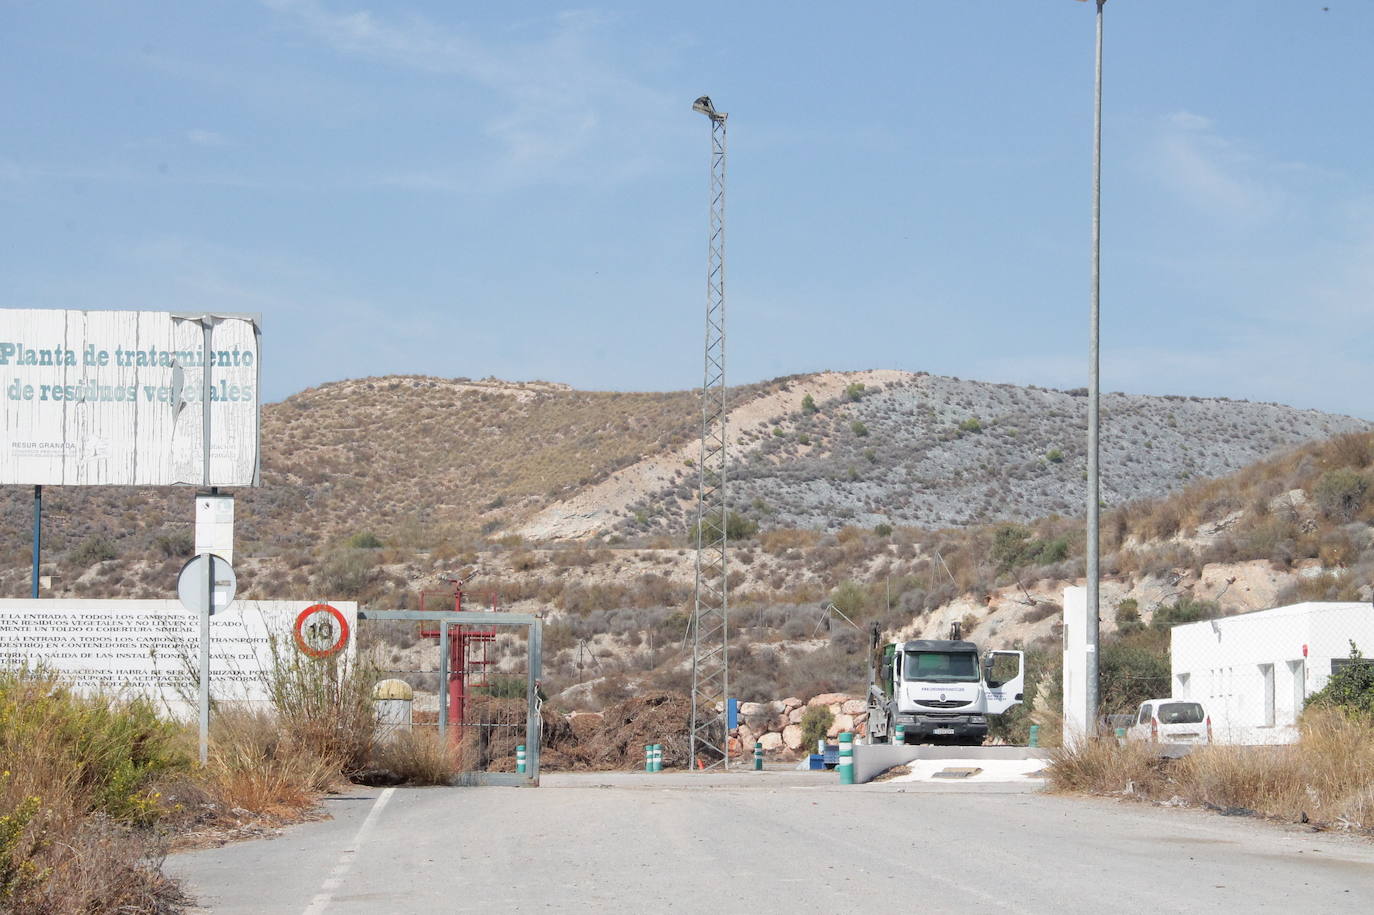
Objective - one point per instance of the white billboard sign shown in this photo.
(95, 398)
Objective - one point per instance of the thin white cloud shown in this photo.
(1187, 120)
(1215, 175)
(549, 101)
(202, 137)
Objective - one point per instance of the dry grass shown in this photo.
(1105, 767)
(256, 765)
(417, 757)
(325, 704)
(1327, 778)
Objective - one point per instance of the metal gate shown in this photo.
(489, 706)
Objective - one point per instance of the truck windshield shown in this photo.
(942, 666)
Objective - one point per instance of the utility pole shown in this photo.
(710, 660)
(1094, 392)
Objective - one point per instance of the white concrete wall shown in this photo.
(1221, 663)
(1075, 663)
(152, 647)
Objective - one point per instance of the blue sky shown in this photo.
(520, 189)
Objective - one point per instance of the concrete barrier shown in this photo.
(872, 760)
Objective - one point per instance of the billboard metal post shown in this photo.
(205, 389)
(204, 703)
(37, 534)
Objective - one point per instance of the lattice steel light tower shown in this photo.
(710, 658)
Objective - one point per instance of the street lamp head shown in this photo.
(704, 105)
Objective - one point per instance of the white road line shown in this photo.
(347, 857)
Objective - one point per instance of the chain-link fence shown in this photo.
(1254, 673)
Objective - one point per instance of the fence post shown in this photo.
(846, 758)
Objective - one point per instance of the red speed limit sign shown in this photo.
(320, 630)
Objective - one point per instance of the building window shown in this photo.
(1340, 664)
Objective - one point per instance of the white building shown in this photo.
(1254, 672)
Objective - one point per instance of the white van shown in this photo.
(1171, 721)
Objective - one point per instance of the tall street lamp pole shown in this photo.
(1094, 392)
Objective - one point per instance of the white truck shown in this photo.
(938, 690)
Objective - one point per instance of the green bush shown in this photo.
(1184, 610)
(363, 540)
(19, 874)
(1128, 616)
(346, 574)
(809, 405)
(737, 526)
(858, 428)
(882, 529)
(1013, 547)
(1134, 668)
(815, 724)
(1340, 493)
(1351, 688)
(177, 543)
(854, 392)
(972, 424)
(95, 548)
(1054, 456)
(851, 597)
(113, 749)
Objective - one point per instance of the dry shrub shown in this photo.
(76, 797)
(325, 705)
(101, 866)
(256, 765)
(1267, 779)
(781, 540)
(1103, 766)
(1354, 449)
(417, 757)
(1327, 778)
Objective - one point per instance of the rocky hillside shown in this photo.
(863, 448)
(427, 463)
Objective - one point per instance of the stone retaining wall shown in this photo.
(777, 724)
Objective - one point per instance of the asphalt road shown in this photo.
(773, 842)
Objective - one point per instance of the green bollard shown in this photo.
(1034, 740)
(899, 737)
(758, 756)
(648, 757)
(1121, 736)
(846, 758)
(658, 757)
(520, 759)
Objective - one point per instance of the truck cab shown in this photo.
(941, 690)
